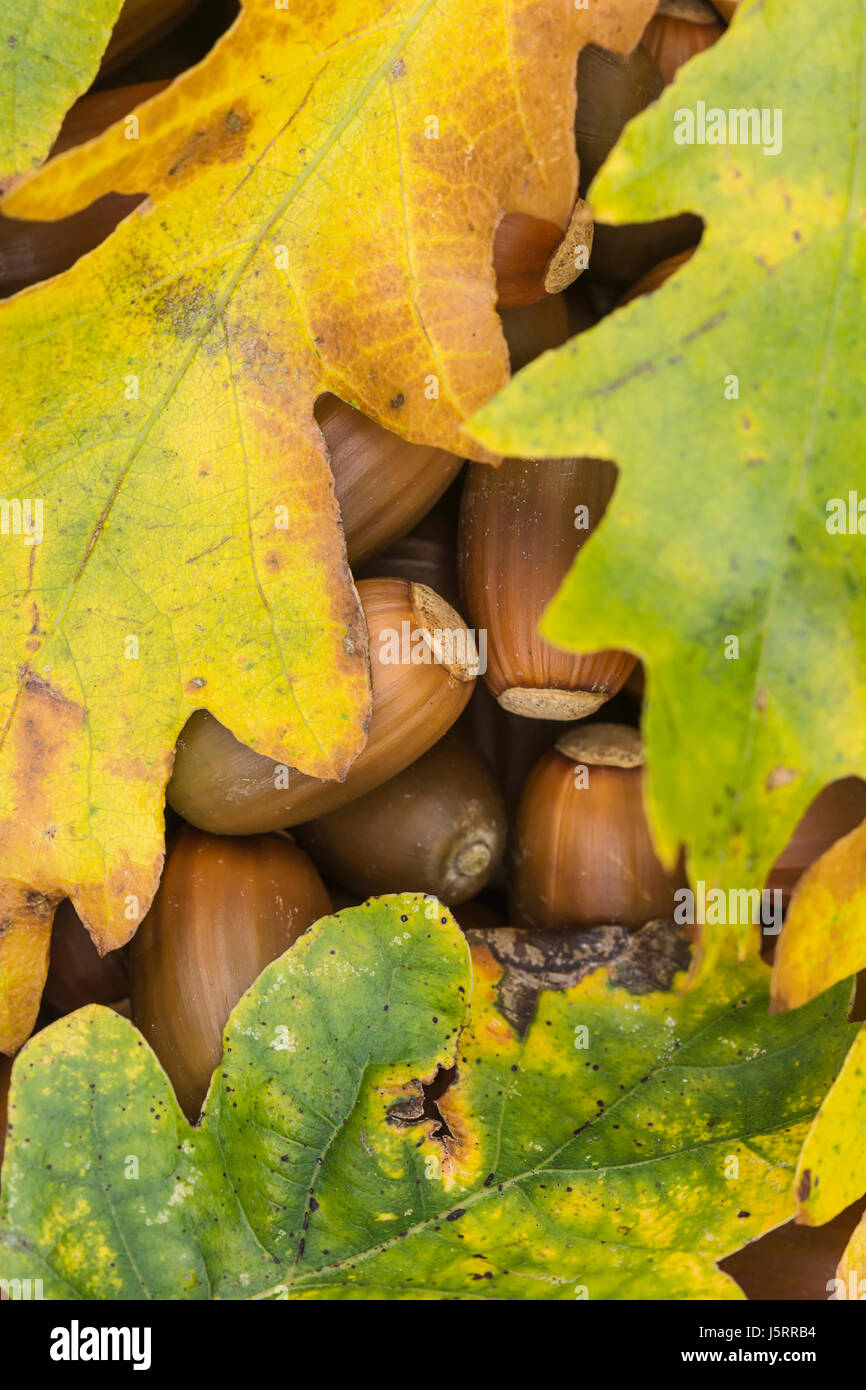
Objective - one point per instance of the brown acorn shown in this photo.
(521, 525)
(836, 811)
(611, 89)
(532, 329)
(655, 277)
(583, 855)
(224, 909)
(427, 555)
(679, 30)
(222, 785)
(438, 827)
(522, 249)
(77, 973)
(140, 24)
(509, 742)
(726, 8)
(384, 485)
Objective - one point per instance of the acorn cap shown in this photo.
(695, 11)
(441, 624)
(602, 745)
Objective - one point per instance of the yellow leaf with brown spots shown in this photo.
(392, 1120)
(824, 937)
(831, 1172)
(322, 194)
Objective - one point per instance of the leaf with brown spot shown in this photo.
(301, 235)
(824, 936)
(575, 1151)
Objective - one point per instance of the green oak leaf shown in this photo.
(49, 55)
(617, 1145)
(731, 401)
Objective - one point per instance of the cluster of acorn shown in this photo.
(511, 796)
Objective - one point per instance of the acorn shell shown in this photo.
(670, 42)
(224, 909)
(533, 329)
(583, 855)
(611, 89)
(519, 536)
(384, 484)
(224, 786)
(438, 827)
(77, 973)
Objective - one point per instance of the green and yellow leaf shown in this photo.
(49, 54)
(575, 1156)
(730, 400)
(301, 234)
(824, 937)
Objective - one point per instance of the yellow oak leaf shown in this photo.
(322, 195)
(824, 937)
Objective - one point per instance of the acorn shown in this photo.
(509, 742)
(655, 277)
(522, 249)
(438, 827)
(532, 329)
(427, 555)
(726, 8)
(611, 89)
(583, 856)
(521, 525)
(423, 664)
(140, 25)
(224, 909)
(837, 810)
(77, 973)
(679, 30)
(384, 484)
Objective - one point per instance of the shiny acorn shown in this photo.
(583, 855)
(77, 973)
(655, 277)
(532, 329)
(521, 526)
(221, 785)
(384, 484)
(611, 89)
(438, 827)
(225, 908)
(679, 30)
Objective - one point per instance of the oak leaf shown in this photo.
(323, 192)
